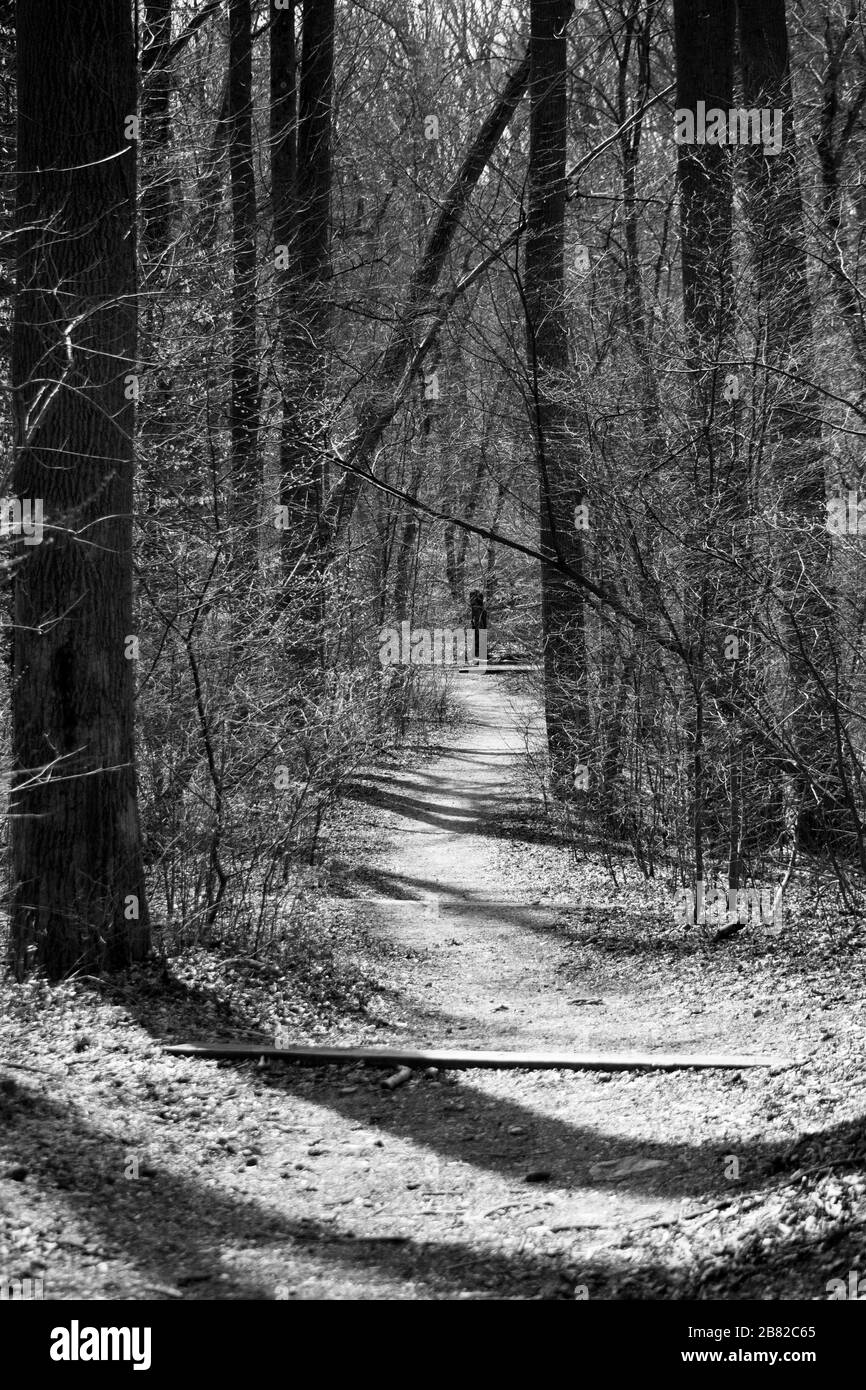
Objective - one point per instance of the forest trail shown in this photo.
(479, 957)
(478, 969)
(474, 927)
(498, 941)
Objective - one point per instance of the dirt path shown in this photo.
(135, 1175)
(475, 936)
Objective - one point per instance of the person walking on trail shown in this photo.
(479, 620)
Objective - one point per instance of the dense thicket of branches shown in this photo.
(430, 300)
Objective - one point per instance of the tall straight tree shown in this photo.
(313, 202)
(704, 47)
(561, 487)
(797, 482)
(155, 130)
(284, 170)
(78, 897)
(301, 177)
(283, 123)
(243, 410)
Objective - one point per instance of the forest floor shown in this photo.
(451, 913)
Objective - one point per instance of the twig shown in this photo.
(399, 1078)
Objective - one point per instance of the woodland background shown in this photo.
(318, 317)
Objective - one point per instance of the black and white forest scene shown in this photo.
(433, 633)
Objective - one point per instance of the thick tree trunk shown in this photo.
(704, 44)
(78, 898)
(561, 487)
(243, 411)
(315, 100)
(306, 221)
(284, 174)
(283, 126)
(704, 41)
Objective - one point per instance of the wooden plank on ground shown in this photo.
(464, 1059)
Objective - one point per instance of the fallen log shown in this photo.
(459, 1060)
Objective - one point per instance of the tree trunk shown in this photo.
(315, 99)
(283, 125)
(156, 195)
(704, 41)
(78, 899)
(243, 411)
(704, 44)
(561, 488)
(306, 221)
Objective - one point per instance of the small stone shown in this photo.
(537, 1175)
(17, 1174)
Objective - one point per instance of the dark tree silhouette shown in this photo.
(246, 472)
(561, 487)
(77, 888)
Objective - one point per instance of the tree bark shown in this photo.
(156, 194)
(78, 898)
(306, 222)
(283, 125)
(561, 487)
(704, 46)
(243, 411)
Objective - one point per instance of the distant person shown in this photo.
(479, 617)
